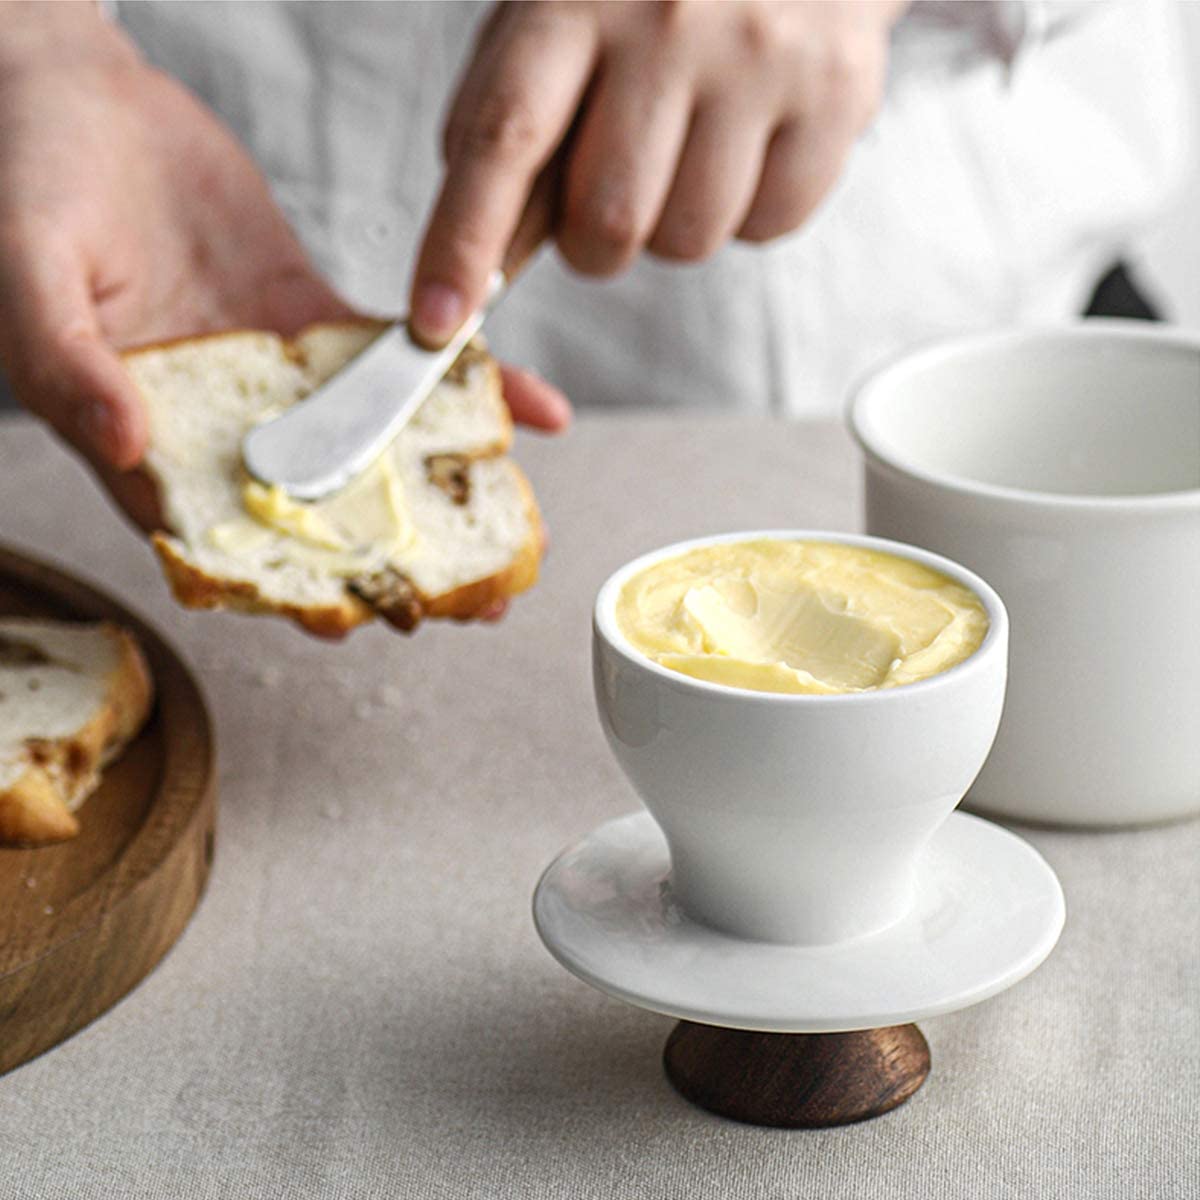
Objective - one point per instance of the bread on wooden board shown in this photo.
(71, 698)
(443, 525)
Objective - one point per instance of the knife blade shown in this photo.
(320, 444)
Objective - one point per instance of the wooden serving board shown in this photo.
(84, 921)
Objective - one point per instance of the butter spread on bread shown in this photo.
(443, 524)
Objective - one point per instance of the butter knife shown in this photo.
(318, 445)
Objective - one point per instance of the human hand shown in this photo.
(679, 126)
(129, 214)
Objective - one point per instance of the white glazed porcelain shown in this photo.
(797, 819)
(987, 911)
(1064, 467)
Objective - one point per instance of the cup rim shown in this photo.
(868, 394)
(605, 627)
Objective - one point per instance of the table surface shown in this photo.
(361, 1007)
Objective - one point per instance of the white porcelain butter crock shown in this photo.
(1064, 467)
(797, 818)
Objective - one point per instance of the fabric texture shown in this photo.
(1018, 152)
(361, 1007)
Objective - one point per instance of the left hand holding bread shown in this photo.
(129, 214)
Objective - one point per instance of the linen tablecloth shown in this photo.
(361, 1007)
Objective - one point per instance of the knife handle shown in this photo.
(538, 219)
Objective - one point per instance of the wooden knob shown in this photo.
(796, 1080)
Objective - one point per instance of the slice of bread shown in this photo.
(71, 698)
(472, 535)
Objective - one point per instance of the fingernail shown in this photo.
(437, 310)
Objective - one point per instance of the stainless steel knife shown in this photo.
(320, 444)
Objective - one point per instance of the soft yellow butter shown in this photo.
(353, 530)
(273, 507)
(808, 617)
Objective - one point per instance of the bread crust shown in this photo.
(37, 808)
(34, 813)
(195, 588)
(290, 345)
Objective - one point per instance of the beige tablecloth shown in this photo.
(361, 1007)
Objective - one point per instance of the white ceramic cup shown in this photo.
(794, 818)
(1064, 467)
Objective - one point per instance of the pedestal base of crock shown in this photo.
(796, 1080)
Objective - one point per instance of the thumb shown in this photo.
(57, 359)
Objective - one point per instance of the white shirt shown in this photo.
(1019, 149)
